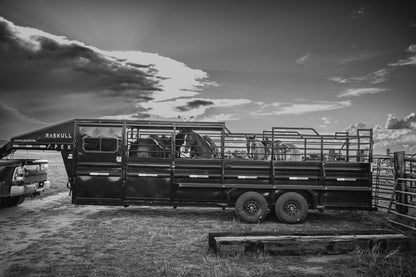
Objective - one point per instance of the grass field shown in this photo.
(51, 237)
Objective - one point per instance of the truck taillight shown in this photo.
(19, 174)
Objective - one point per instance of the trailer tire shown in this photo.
(251, 207)
(291, 207)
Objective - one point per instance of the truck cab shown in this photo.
(20, 178)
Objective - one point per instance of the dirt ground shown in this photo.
(50, 236)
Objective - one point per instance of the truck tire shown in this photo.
(291, 207)
(2, 202)
(251, 207)
(13, 201)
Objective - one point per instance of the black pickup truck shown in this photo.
(20, 178)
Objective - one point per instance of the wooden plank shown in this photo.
(296, 244)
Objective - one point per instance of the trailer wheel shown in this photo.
(291, 207)
(251, 207)
(13, 201)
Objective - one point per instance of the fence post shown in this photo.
(400, 172)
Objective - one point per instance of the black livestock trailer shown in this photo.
(137, 162)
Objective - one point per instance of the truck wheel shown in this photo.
(251, 207)
(13, 201)
(291, 207)
(2, 202)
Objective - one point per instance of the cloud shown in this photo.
(376, 77)
(352, 129)
(13, 122)
(326, 120)
(408, 61)
(361, 91)
(59, 58)
(194, 104)
(188, 107)
(408, 122)
(357, 13)
(296, 108)
(411, 60)
(403, 139)
(355, 58)
(303, 59)
(57, 67)
(339, 79)
(220, 117)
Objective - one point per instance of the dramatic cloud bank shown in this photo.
(409, 122)
(59, 68)
(398, 134)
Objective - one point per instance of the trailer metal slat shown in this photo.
(298, 178)
(198, 176)
(99, 174)
(346, 179)
(147, 175)
(268, 186)
(247, 177)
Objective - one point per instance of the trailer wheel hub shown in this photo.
(292, 208)
(252, 207)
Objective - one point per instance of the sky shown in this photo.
(327, 65)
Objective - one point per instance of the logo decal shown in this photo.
(58, 135)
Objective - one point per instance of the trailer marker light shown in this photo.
(346, 179)
(198, 176)
(298, 178)
(247, 177)
(99, 173)
(147, 175)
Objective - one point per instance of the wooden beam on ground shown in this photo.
(297, 243)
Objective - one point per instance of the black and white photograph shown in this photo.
(207, 138)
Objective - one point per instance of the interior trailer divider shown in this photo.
(290, 170)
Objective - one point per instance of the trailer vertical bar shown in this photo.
(124, 162)
(222, 155)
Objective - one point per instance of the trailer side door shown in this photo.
(98, 165)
